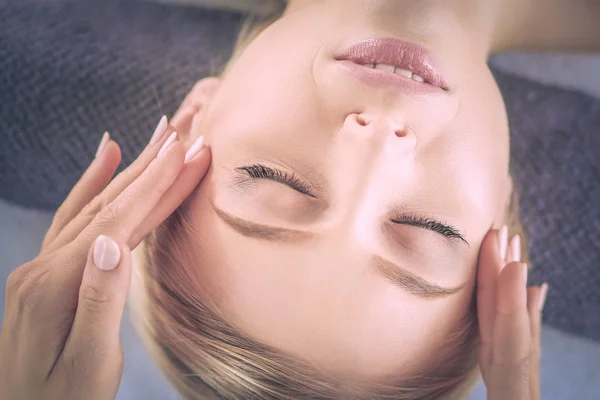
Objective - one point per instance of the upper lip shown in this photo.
(398, 53)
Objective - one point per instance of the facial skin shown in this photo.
(326, 280)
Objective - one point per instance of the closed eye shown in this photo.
(261, 171)
(441, 228)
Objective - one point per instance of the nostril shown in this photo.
(401, 133)
(361, 120)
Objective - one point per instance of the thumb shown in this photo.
(94, 336)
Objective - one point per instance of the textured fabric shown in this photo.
(71, 69)
(255, 7)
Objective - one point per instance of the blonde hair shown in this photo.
(206, 357)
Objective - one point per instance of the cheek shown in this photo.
(399, 332)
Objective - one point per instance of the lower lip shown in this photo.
(386, 79)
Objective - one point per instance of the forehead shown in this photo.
(322, 305)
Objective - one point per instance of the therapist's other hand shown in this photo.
(510, 316)
(60, 333)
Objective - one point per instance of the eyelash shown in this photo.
(261, 171)
(424, 222)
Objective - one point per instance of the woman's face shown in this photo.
(341, 222)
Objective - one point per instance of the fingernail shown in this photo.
(168, 143)
(106, 253)
(195, 149)
(160, 130)
(515, 248)
(543, 294)
(525, 271)
(503, 241)
(103, 143)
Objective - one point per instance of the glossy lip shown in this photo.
(395, 52)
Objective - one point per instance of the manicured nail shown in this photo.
(168, 143)
(515, 248)
(525, 271)
(103, 143)
(195, 149)
(160, 130)
(503, 241)
(106, 253)
(543, 294)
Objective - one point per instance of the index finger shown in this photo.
(488, 269)
(140, 207)
(189, 178)
(512, 336)
(92, 182)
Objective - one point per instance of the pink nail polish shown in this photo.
(195, 149)
(106, 253)
(543, 294)
(103, 143)
(503, 241)
(515, 248)
(160, 130)
(167, 144)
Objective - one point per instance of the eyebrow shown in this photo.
(410, 282)
(400, 277)
(265, 232)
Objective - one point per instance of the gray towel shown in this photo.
(71, 69)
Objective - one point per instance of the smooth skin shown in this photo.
(60, 333)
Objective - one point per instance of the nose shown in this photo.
(370, 149)
(381, 131)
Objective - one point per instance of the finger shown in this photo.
(512, 334)
(130, 208)
(92, 182)
(489, 266)
(118, 220)
(92, 347)
(124, 179)
(535, 299)
(192, 174)
(514, 249)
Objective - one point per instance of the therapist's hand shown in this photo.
(60, 333)
(509, 317)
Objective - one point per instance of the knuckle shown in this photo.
(61, 215)
(110, 213)
(26, 284)
(15, 280)
(94, 207)
(111, 216)
(93, 299)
